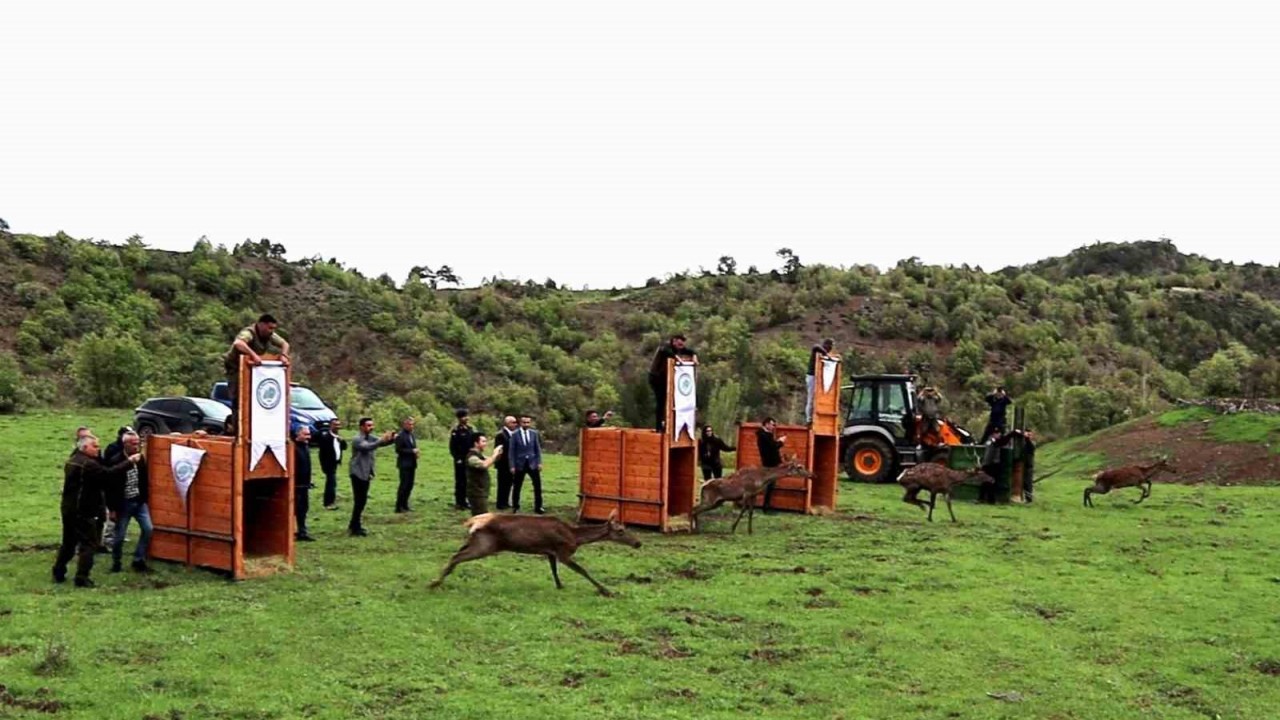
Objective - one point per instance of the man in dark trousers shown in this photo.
(709, 448)
(331, 447)
(302, 481)
(526, 459)
(999, 401)
(501, 441)
(252, 342)
(362, 471)
(817, 354)
(127, 500)
(84, 501)
(770, 448)
(674, 348)
(461, 441)
(407, 462)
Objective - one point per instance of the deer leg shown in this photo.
(751, 514)
(582, 571)
(477, 547)
(746, 505)
(1146, 492)
(555, 574)
(704, 507)
(1087, 492)
(909, 497)
(933, 501)
(953, 512)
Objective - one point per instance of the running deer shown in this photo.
(741, 488)
(1127, 476)
(551, 537)
(938, 480)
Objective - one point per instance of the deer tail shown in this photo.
(478, 522)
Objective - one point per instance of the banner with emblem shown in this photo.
(830, 373)
(268, 416)
(185, 463)
(686, 400)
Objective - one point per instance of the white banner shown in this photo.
(185, 463)
(830, 373)
(269, 414)
(686, 400)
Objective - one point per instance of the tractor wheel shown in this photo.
(870, 460)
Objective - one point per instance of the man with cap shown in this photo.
(252, 342)
(461, 440)
(674, 348)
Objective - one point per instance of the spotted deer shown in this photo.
(1127, 476)
(741, 489)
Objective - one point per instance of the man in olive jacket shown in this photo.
(84, 500)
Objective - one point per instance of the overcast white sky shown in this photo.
(603, 143)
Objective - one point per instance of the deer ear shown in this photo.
(613, 515)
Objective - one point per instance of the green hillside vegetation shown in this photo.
(1082, 342)
(1165, 609)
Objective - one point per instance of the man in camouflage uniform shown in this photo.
(252, 342)
(478, 475)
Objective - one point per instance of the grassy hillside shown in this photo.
(1083, 342)
(1164, 609)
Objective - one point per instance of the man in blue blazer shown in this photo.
(524, 451)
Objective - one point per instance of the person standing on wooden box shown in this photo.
(407, 463)
(817, 354)
(461, 441)
(501, 441)
(252, 342)
(770, 448)
(674, 348)
(526, 460)
(302, 481)
(362, 471)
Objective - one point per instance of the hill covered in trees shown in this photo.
(1081, 341)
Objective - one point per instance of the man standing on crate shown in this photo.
(461, 440)
(817, 354)
(674, 348)
(252, 342)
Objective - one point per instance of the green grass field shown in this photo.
(1169, 609)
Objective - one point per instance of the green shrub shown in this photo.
(109, 371)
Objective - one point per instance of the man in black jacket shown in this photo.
(461, 440)
(127, 499)
(84, 501)
(675, 348)
(331, 448)
(302, 481)
(500, 442)
(770, 447)
(407, 462)
(709, 448)
(999, 401)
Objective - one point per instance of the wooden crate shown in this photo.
(233, 518)
(820, 454)
(649, 478)
(826, 405)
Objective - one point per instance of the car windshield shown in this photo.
(211, 409)
(303, 399)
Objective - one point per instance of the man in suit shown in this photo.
(331, 447)
(362, 470)
(407, 461)
(526, 459)
(302, 481)
(501, 441)
(461, 440)
(770, 447)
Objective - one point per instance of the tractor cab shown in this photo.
(879, 426)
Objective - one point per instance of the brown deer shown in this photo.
(533, 535)
(741, 488)
(1127, 476)
(938, 480)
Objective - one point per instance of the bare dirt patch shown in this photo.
(42, 702)
(1198, 457)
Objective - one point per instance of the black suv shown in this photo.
(165, 415)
